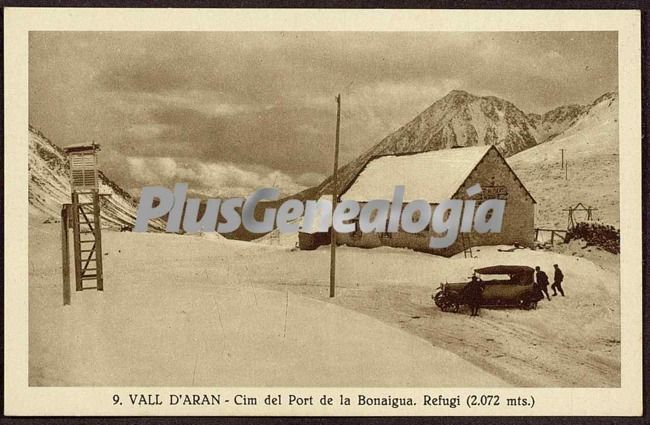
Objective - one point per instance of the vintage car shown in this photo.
(503, 286)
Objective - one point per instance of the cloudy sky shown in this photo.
(232, 112)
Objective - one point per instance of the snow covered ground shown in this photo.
(591, 150)
(196, 310)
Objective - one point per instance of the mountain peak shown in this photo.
(454, 94)
(458, 119)
(458, 92)
(609, 96)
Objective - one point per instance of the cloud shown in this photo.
(209, 103)
(214, 179)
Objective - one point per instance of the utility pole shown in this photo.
(335, 195)
(566, 171)
(272, 235)
(562, 166)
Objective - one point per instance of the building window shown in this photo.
(494, 192)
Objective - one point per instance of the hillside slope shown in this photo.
(49, 186)
(591, 151)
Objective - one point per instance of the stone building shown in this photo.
(437, 176)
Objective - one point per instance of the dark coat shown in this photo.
(473, 291)
(542, 279)
(559, 276)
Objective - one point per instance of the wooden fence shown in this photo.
(561, 234)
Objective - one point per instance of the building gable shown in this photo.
(494, 156)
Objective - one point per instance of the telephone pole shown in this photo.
(566, 171)
(335, 196)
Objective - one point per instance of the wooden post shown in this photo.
(566, 171)
(98, 242)
(552, 236)
(77, 241)
(65, 255)
(536, 234)
(562, 167)
(335, 196)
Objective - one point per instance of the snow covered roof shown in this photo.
(432, 176)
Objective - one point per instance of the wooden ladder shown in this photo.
(86, 228)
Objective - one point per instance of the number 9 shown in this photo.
(116, 399)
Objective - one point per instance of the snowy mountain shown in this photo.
(556, 121)
(49, 186)
(590, 147)
(463, 119)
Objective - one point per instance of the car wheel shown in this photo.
(528, 304)
(450, 307)
(439, 299)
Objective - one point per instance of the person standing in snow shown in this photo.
(473, 295)
(557, 281)
(542, 281)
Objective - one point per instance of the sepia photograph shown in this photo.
(328, 210)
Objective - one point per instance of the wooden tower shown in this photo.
(84, 216)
